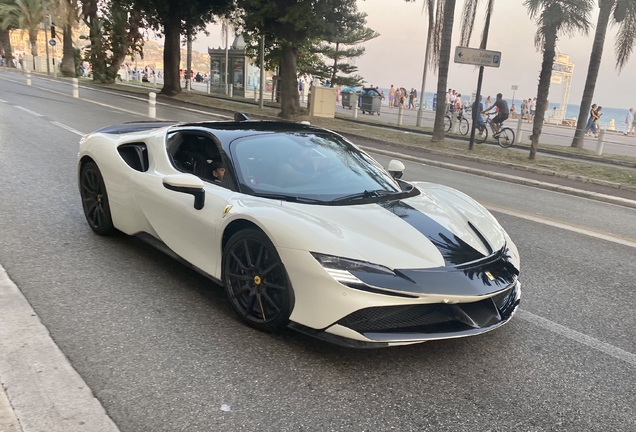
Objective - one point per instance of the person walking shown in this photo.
(598, 120)
(629, 120)
(391, 96)
(590, 127)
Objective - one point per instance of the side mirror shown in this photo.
(240, 117)
(396, 169)
(189, 184)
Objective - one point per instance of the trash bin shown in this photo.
(370, 101)
(349, 99)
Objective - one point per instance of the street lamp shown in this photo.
(514, 88)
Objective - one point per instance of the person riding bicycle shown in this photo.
(502, 113)
(478, 110)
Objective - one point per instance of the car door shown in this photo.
(192, 234)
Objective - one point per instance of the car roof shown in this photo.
(228, 131)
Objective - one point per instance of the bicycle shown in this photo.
(464, 126)
(505, 138)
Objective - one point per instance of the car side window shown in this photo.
(197, 153)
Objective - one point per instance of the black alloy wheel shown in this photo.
(256, 282)
(95, 200)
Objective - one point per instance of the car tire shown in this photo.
(256, 282)
(95, 200)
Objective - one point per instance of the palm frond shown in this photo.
(468, 21)
(626, 36)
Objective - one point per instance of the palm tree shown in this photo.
(441, 53)
(5, 40)
(445, 17)
(25, 15)
(553, 18)
(622, 13)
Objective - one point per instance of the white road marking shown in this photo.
(562, 225)
(68, 128)
(28, 111)
(584, 339)
(3, 101)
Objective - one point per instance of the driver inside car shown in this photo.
(218, 171)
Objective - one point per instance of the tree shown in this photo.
(622, 13)
(442, 18)
(293, 24)
(114, 34)
(344, 46)
(5, 47)
(176, 18)
(5, 40)
(25, 15)
(553, 18)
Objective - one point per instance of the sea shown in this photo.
(572, 112)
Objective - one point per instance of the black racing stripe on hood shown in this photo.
(454, 250)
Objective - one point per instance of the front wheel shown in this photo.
(506, 137)
(448, 123)
(256, 281)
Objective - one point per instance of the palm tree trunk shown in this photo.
(68, 56)
(5, 42)
(34, 48)
(442, 77)
(171, 58)
(188, 76)
(290, 103)
(549, 48)
(592, 70)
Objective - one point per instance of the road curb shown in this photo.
(509, 178)
(44, 390)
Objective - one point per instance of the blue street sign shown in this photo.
(52, 42)
(495, 59)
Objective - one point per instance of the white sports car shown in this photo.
(303, 229)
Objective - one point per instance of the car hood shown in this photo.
(441, 227)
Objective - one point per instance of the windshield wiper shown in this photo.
(366, 194)
(291, 198)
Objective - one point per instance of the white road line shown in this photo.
(45, 391)
(68, 128)
(562, 225)
(28, 111)
(584, 339)
(3, 101)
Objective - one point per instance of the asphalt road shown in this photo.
(162, 350)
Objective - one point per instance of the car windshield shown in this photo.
(309, 167)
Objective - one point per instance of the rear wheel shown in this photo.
(506, 137)
(481, 134)
(95, 200)
(256, 282)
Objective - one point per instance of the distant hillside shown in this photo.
(153, 52)
(153, 56)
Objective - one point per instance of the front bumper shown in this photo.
(383, 326)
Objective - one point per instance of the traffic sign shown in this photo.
(52, 42)
(477, 57)
(514, 87)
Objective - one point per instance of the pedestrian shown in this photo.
(533, 108)
(391, 96)
(21, 62)
(590, 127)
(411, 106)
(599, 114)
(633, 129)
(629, 120)
(415, 98)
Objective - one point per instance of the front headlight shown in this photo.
(340, 268)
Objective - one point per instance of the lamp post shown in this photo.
(426, 55)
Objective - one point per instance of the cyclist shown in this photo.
(502, 113)
(478, 110)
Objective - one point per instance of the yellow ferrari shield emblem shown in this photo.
(490, 276)
(226, 211)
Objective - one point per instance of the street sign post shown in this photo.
(478, 57)
(514, 88)
(52, 42)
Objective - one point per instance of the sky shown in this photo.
(397, 56)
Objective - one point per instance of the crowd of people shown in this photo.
(400, 97)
